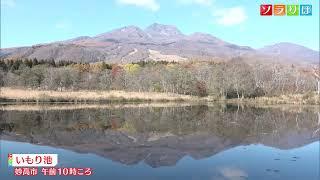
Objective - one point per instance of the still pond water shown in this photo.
(167, 141)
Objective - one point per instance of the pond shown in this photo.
(167, 141)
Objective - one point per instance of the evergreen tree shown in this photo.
(35, 62)
(52, 62)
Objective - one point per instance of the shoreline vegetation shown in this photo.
(234, 81)
(87, 96)
(18, 95)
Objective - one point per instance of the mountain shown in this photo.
(164, 33)
(292, 53)
(128, 34)
(156, 42)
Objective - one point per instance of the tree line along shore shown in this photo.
(34, 80)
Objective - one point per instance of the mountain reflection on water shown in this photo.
(160, 135)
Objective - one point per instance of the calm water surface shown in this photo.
(159, 141)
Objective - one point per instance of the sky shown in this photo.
(29, 22)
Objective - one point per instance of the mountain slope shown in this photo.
(156, 42)
(291, 53)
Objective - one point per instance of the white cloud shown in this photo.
(8, 3)
(148, 4)
(230, 16)
(231, 173)
(199, 2)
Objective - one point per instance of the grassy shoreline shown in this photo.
(16, 95)
(27, 106)
(83, 96)
(293, 99)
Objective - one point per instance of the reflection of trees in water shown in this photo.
(229, 122)
(161, 136)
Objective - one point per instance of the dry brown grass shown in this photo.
(69, 106)
(310, 98)
(74, 96)
(28, 95)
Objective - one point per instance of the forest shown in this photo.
(231, 79)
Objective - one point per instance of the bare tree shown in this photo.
(2, 76)
(316, 74)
